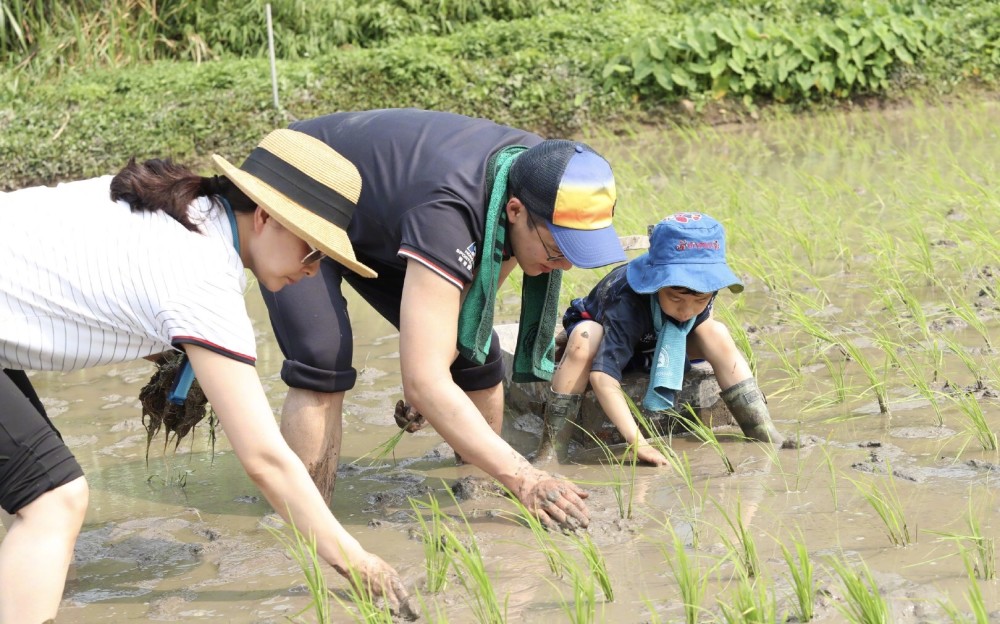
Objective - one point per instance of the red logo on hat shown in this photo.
(684, 217)
(686, 245)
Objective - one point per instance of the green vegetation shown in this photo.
(88, 83)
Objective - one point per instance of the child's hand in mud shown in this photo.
(649, 455)
(380, 579)
(556, 502)
(407, 418)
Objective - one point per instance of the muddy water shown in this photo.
(185, 537)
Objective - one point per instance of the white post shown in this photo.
(270, 48)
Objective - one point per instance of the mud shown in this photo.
(185, 538)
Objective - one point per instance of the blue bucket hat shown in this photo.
(687, 250)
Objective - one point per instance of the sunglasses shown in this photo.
(551, 257)
(314, 255)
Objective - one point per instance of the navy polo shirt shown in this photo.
(423, 194)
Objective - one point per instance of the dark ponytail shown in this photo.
(163, 185)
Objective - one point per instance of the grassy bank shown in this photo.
(92, 88)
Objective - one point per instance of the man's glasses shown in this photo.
(551, 257)
(314, 255)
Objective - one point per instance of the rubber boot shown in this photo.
(749, 408)
(557, 427)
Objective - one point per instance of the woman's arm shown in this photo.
(428, 335)
(236, 395)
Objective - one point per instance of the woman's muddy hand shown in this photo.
(380, 579)
(407, 418)
(556, 502)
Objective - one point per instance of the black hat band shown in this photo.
(293, 183)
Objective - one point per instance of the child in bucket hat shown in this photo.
(652, 314)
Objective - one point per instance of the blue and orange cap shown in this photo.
(573, 188)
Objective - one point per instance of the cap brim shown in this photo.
(307, 225)
(645, 277)
(588, 249)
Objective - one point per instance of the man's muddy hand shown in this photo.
(407, 418)
(379, 578)
(556, 502)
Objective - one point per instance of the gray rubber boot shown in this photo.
(557, 427)
(749, 408)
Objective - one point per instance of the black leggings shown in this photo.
(313, 329)
(33, 457)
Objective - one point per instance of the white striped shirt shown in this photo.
(84, 281)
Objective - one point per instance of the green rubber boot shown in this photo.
(557, 427)
(749, 408)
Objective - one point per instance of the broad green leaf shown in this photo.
(699, 68)
(643, 70)
(682, 78)
(724, 30)
(850, 73)
(655, 50)
(805, 80)
(828, 35)
(719, 65)
(662, 76)
(615, 68)
(904, 55)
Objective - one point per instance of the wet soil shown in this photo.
(185, 537)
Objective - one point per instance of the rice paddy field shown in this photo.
(869, 243)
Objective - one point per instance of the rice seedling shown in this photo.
(970, 364)
(620, 474)
(983, 548)
(470, 570)
(876, 381)
(742, 546)
(436, 557)
(582, 608)
(303, 551)
(980, 613)
(554, 557)
(977, 424)
(596, 564)
(680, 464)
(753, 603)
(863, 603)
(836, 370)
(691, 579)
(916, 374)
(791, 368)
(380, 452)
(739, 333)
(704, 433)
(800, 569)
(886, 504)
(961, 307)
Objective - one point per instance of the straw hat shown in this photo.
(307, 186)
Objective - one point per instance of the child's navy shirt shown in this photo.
(629, 337)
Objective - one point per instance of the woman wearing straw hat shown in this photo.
(450, 206)
(84, 282)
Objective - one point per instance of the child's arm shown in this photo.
(608, 391)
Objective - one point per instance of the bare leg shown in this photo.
(36, 553)
(312, 424)
(573, 370)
